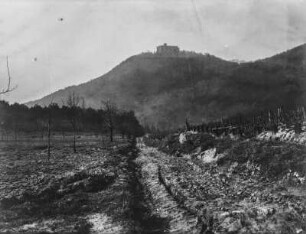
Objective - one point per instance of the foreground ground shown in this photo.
(233, 186)
(213, 186)
(92, 191)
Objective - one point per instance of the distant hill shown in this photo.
(163, 91)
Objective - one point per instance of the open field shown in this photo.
(204, 185)
(91, 191)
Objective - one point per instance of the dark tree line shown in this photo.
(71, 118)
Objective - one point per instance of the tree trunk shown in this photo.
(111, 134)
(74, 145)
(49, 139)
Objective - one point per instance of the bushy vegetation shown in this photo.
(275, 159)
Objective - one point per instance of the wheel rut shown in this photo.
(162, 202)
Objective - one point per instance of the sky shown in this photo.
(52, 44)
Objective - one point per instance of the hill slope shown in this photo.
(163, 91)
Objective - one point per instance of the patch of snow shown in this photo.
(299, 230)
(191, 132)
(101, 222)
(208, 156)
(233, 137)
(29, 226)
(187, 156)
(283, 134)
(182, 138)
(264, 210)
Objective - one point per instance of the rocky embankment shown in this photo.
(239, 186)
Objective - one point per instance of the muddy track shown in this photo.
(129, 208)
(163, 203)
(152, 206)
(145, 221)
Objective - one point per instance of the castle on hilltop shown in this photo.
(167, 50)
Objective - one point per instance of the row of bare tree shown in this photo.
(252, 124)
(74, 101)
(72, 117)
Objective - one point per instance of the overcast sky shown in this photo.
(52, 44)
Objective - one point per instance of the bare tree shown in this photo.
(49, 125)
(44, 122)
(8, 88)
(49, 133)
(73, 102)
(110, 110)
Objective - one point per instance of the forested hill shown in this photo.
(163, 91)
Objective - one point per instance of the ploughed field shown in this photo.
(190, 184)
(90, 191)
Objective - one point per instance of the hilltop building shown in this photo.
(167, 50)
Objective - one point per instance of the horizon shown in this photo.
(52, 46)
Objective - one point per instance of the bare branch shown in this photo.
(8, 88)
(73, 100)
(110, 111)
